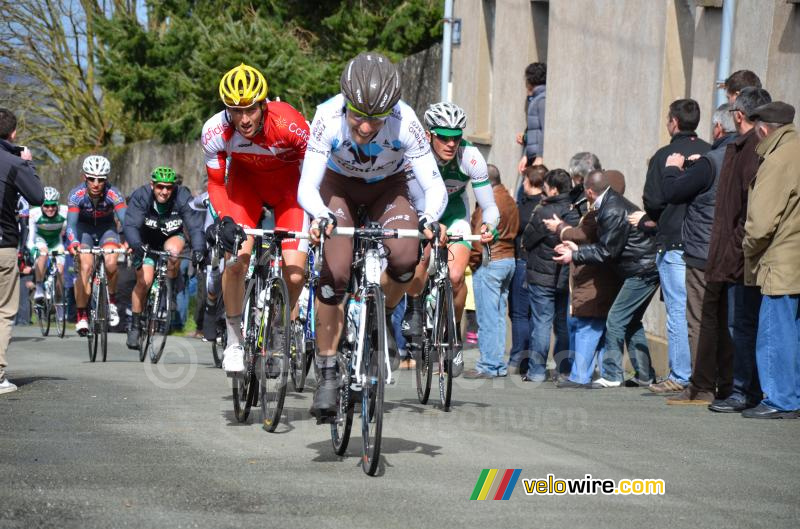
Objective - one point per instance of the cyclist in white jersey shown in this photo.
(461, 164)
(360, 141)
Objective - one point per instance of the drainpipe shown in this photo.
(724, 65)
(447, 44)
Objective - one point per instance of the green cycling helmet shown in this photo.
(164, 175)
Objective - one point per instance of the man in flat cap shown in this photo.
(771, 245)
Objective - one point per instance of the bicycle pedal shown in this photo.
(326, 419)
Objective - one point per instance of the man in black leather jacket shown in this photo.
(633, 255)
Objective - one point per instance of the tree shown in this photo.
(47, 57)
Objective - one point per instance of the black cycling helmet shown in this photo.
(371, 83)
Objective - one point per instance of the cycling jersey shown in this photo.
(468, 166)
(400, 141)
(149, 222)
(46, 231)
(262, 170)
(93, 216)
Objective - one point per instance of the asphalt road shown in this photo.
(125, 444)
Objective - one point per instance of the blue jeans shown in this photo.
(588, 343)
(672, 270)
(778, 351)
(397, 322)
(624, 325)
(491, 284)
(744, 304)
(548, 311)
(519, 310)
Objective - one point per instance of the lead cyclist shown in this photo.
(461, 164)
(360, 142)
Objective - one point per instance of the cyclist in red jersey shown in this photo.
(259, 145)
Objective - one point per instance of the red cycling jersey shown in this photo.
(262, 170)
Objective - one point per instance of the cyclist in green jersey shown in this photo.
(461, 164)
(47, 226)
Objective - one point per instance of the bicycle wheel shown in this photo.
(374, 366)
(59, 307)
(345, 404)
(423, 370)
(218, 346)
(42, 310)
(244, 387)
(445, 336)
(275, 354)
(92, 334)
(163, 320)
(102, 318)
(297, 366)
(144, 325)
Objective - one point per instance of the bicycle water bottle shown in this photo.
(353, 315)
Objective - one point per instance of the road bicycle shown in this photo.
(266, 328)
(98, 300)
(53, 306)
(159, 309)
(439, 337)
(362, 357)
(304, 330)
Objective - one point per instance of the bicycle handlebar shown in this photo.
(279, 234)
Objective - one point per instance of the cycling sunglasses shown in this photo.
(361, 117)
(447, 139)
(96, 179)
(162, 187)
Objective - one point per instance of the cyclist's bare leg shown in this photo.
(174, 245)
(86, 262)
(144, 278)
(417, 285)
(392, 290)
(294, 265)
(39, 267)
(330, 319)
(233, 290)
(111, 271)
(459, 257)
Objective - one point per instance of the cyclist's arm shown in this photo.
(193, 220)
(32, 218)
(134, 219)
(427, 175)
(316, 158)
(118, 201)
(73, 211)
(415, 193)
(215, 155)
(475, 165)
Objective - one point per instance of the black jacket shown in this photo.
(696, 187)
(525, 205)
(668, 216)
(144, 224)
(578, 196)
(17, 177)
(539, 242)
(629, 250)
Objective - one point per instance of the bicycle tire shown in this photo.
(274, 374)
(102, 318)
(445, 341)
(342, 425)
(423, 368)
(218, 345)
(42, 311)
(374, 365)
(59, 305)
(92, 332)
(163, 322)
(298, 368)
(243, 387)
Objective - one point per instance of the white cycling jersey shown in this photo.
(400, 142)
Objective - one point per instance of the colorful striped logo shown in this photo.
(495, 484)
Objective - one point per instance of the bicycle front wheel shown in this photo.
(275, 354)
(445, 339)
(92, 335)
(42, 310)
(374, 369)
(244, 387)
(297, 353)
(59, 307)
(102, 318)
(163, 319)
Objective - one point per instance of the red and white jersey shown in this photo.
(274, 153)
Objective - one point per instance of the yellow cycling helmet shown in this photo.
(242, 86)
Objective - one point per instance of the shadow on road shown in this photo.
(24, 381)
(389, 445)
(27, 339)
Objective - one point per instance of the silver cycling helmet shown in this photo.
(445, 115)
(96, 165)
(51, 195)
(371, 84)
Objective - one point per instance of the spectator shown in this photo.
(771, 246)
(725, 262)
(17, 177)
(518, 305)
(632, 255)
(682, 120)
(593, 289)
(548, 281)
(739, 80)
(580, 165)
(533, 137)
(706, 304)
(492, 282)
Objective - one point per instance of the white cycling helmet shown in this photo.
(96, 165)
(445, 115)
(51, 195)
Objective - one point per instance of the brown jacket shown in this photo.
(593, 288)
(507, 228)
(772, 232)
(725, 259)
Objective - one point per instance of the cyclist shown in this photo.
(91, 208)
(46, 229)
(461, 164)
(158, 216)
(261, 144)
(361, 139)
